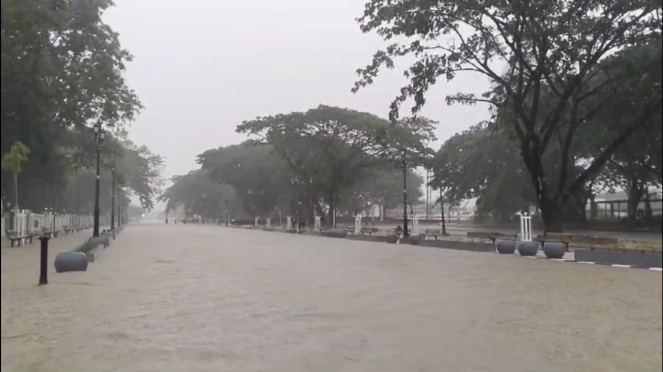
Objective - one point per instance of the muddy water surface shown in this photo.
(176, 298)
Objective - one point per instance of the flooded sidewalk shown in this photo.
(205, 298)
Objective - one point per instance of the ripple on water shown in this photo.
(211, 299)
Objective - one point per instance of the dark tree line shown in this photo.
(62, 70)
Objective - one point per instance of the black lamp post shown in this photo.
(227, 200)
(99, 139)
(113, 173)
(444, 218)
(298, 182)
(295, 181)
(404, 166)
(119, 209)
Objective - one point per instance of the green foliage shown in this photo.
(62, 70)
(259, 177)
(14, 159)
(384, 188)
(545, 97)
(335, 147)
(198, 194)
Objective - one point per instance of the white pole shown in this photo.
(415, 224)
(526, 227)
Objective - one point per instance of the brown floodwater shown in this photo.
(201, 298)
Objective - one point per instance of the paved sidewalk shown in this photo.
(20, 265)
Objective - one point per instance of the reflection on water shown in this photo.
(174, 298)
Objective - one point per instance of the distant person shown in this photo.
(166, 221)
(398, 230)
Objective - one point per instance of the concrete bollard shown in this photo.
(528, 249)
(506, 247)
(70, 262)
(554, 250)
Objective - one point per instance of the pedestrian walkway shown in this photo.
(20, 265)
(207, 298)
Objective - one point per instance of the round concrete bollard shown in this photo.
(70, 261)
(506, 247)
(102, 240)
(392, 239)
(554, 250)
(528, 248)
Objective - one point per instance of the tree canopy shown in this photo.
(62, 73)
(323, 161)
(567, 63)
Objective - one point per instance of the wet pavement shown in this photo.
(202, 298)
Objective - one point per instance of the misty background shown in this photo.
(201, 67)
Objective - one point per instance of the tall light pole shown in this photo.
(404, 165)
(119, 208)
(113, 173)
(99, 139)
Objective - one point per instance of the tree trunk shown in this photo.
(649, 212)
(547, 204)
(635, 194)
(549, 214)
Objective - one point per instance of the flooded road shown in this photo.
(195, 298)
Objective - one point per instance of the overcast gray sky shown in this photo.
(203, 66)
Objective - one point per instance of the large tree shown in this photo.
(333, 147)
(198, 194)
(62, 71)
(260, 177)
(552, 50)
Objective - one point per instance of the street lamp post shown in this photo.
(227, 200)
(113, 173)
(99, 138)
(119, 209)
(405, 225)
(444, 218)
(295, 181)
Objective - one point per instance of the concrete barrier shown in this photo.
(649, 260)
(459, 245)
(70, 261)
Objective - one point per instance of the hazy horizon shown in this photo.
(203, 68)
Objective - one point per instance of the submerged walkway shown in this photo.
(204, 298)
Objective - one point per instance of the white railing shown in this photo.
(525, 227)
(27, 224)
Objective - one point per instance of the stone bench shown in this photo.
(14, 237)
(435, 233)
(491, 235)
(577, 240)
